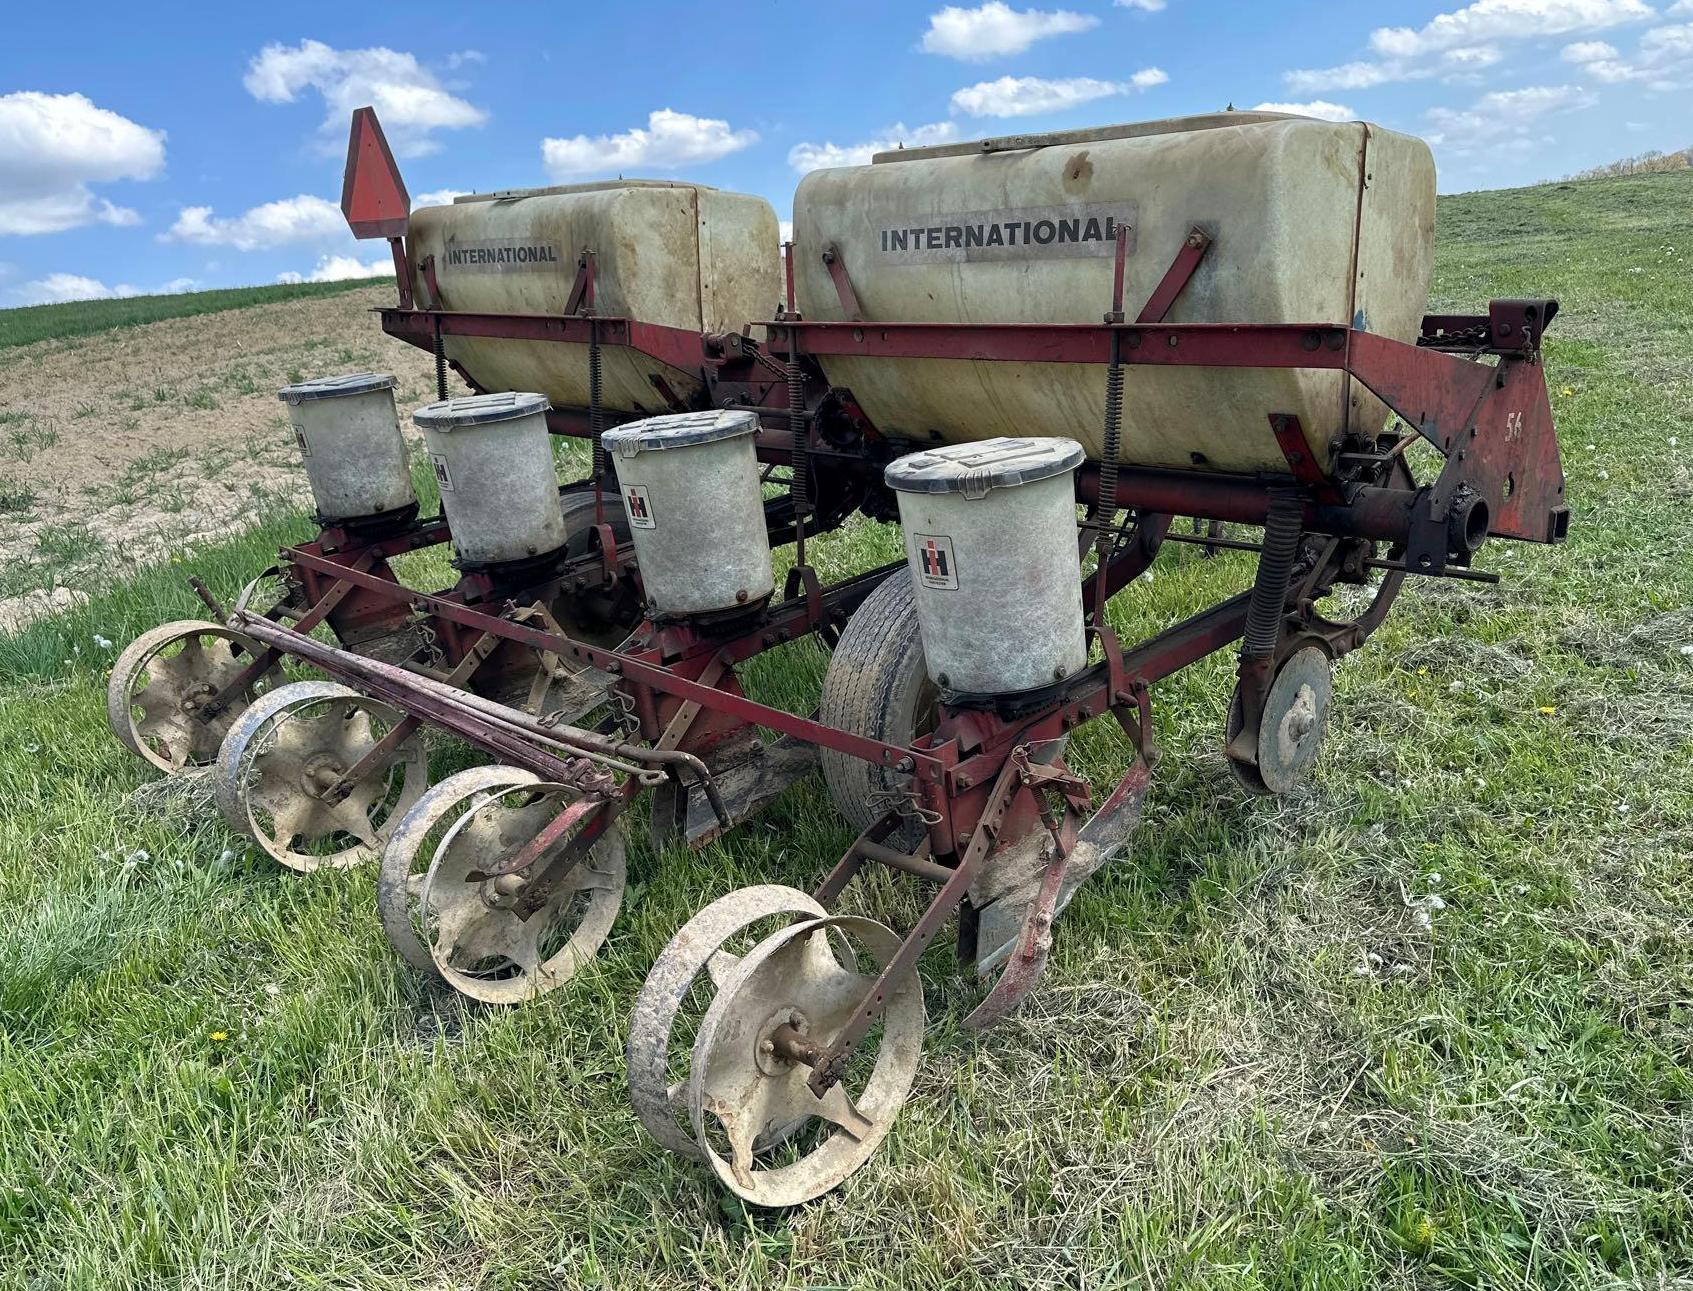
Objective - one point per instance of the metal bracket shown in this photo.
(1175, 278)
(843, 284)
(1290, 436)
(581, 298)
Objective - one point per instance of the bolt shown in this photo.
(741, 597)
(1058, 673)
(767, 1046)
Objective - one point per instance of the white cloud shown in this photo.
(1497, 20)
(56, 288)
(1321, 109)
(1466, 39)
(1589, 51)
(1147, 6)
(1022, 96)
(821, 156)
(1363, 75)
(440, 197)
(669, 141)
(53, 146)
(1599, 60)
(339, 268)
(995, 29)
(1663, 59)
(1504, 119)
(275, 224)
(411, 103)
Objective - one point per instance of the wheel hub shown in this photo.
(320, 773)
(1301, 719)
(501, 893)
(767, 1053)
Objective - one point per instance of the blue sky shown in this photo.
(201, 146)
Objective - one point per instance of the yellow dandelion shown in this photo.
(1548, 710)
(220, 1036)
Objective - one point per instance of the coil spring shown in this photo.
(440, 365)
(1105, 509)
(596, 413)
(882, 801)
(1283, 526)
(623, 711)
(430, 647)
(800, 487)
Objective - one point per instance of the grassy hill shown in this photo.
(30, 323)
(1428, 1022)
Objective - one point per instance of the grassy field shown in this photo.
(30, 323)
(1427, 1023)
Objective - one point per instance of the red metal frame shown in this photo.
(975, 782)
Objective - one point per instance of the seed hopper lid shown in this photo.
(336, 387)
(973, 469)
(479, 410)
(680, 430)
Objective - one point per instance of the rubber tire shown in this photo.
(596, 619)
(877, 686)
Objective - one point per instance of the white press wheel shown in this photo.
(279, 759)
(475, 930)
(159, 686)
(697, 950)
(740, 1087)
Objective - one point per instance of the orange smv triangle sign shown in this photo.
(373, 196)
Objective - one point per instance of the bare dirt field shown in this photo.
(130, 446)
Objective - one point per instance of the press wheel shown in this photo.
(280, 761)
(601, 616)
(699, 950)
(740, 1086)
(1295, 718)
(161, 683)
(411, 847)
(479, 934)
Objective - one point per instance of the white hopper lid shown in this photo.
(973, 469)
(336, 387)
(479, 410)
(680, 430)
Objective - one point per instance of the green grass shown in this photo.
(1262, 1057)
(31, 323)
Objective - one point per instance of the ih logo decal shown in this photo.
(300, 439)
(443, 477)
(935, 562)
(639, 506)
